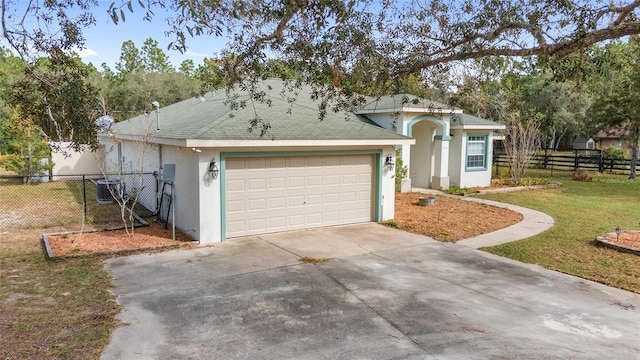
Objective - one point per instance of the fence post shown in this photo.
(84, 196)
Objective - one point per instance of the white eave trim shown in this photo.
(297, 143)
(410, 110)
(263, 142)
(478, 127)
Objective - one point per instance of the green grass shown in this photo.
(54, 204)
(582, 211)
(51, 309)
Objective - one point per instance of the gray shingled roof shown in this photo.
(194, 119)
(470, 120)
(397, 102)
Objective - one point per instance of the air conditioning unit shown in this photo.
(105, 189)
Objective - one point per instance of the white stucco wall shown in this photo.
(456, 165)
(388, 186)
(132, 162)
(210, 211)
(186, 200)
(422, 155)
(475, 178)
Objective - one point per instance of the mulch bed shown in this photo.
(450, 219)
(110, 241)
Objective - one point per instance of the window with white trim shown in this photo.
(476, 152)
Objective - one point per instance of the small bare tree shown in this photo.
(126, 192)
(522, 141)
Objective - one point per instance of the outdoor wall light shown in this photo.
(388, 162)
(213, 169)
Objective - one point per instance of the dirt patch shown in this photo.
(85, 243)
(450, 219)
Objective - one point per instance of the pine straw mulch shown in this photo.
(450, 219)
(112, 241)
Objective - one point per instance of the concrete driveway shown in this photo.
(387, 294)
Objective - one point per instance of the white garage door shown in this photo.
(270, 194)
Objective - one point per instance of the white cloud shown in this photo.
(84, 53)
(193, 53)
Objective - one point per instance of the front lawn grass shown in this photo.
(51, 309)
(582, 211)
(55, 203)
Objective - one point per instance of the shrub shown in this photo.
(401, 170)
(613, 153)
(580, 176)
(392, 224)
(454, 190)
(532, 182)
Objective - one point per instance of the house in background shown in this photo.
(303, 172)
(613, 138)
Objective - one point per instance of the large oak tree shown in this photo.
(326, 39)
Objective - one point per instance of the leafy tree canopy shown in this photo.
(330, 36)
(616, 106)
(367, 46)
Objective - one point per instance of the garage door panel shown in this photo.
(277, 162)
(296, 182)
(315, 180)
(257, 225)
(296, 162)
(257, 184)
(278, 223)
(235, 206)
(235, 185)
(277, 183)
(257, 163)
(332, 198)
(300, 192)
(277, 203)
(236, 227)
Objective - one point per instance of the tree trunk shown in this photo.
(634, 152)
(552, 141)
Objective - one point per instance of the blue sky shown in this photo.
(104, 40)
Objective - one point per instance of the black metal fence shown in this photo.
(580, 160)
(71, 201)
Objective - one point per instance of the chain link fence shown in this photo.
(71, 201)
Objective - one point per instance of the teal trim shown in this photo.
(442, 137)
(223, 198)
(445, 128)
(223, 165)
(379, 159)
(486, 152)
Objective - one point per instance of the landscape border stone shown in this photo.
(516, 188)
(602, 241)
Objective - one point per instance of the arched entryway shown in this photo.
(429, 159)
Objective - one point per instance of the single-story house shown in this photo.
(614, 138)
(303, 172)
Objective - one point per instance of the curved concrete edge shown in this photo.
(533, 223)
